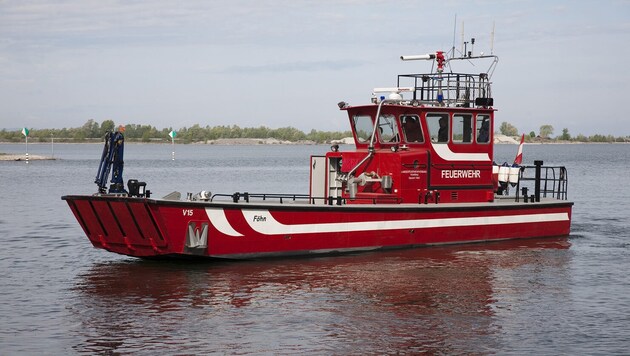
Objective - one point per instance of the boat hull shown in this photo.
(143, 227)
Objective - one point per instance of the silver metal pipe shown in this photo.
(376, 121)
(370, 154)
(371, 147)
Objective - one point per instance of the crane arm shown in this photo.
(111, 160)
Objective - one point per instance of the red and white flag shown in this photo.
(519, 154)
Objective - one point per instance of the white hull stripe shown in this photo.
(263, 222)
(445, 153)
(219, 221)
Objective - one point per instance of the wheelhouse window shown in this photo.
(388, 128)
(412, 128)
(462, 128)
(363, 127)
(483, 128)
(438, 127)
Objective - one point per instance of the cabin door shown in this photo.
(318, 179)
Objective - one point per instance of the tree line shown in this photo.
(93, 131)
(546, 131)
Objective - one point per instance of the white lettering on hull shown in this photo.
(461, 173)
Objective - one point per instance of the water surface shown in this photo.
(551, 296)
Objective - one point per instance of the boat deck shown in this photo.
(287, 203)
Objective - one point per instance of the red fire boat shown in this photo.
(421, 173)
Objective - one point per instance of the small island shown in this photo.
(22, 157)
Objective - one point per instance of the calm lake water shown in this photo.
(59, 295)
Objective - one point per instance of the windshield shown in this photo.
(412, 129)
(363, 127)
(388, 128)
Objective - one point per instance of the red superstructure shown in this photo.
(421, 173)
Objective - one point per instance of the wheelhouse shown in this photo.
(433, 146)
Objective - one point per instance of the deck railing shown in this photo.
(547, 181)
(457, 89)
(304, 198)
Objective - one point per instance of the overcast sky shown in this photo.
(288, 62)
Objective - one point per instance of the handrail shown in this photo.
(376, 121)
(281, 197)
(550, 181)
(459, 89)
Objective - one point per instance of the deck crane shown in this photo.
(112, 159)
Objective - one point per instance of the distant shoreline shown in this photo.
(220, 141)
(498, 140)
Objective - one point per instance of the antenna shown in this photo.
(463, 49)
(492, 39)
(454, 31)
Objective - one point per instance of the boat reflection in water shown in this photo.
(433, 299)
